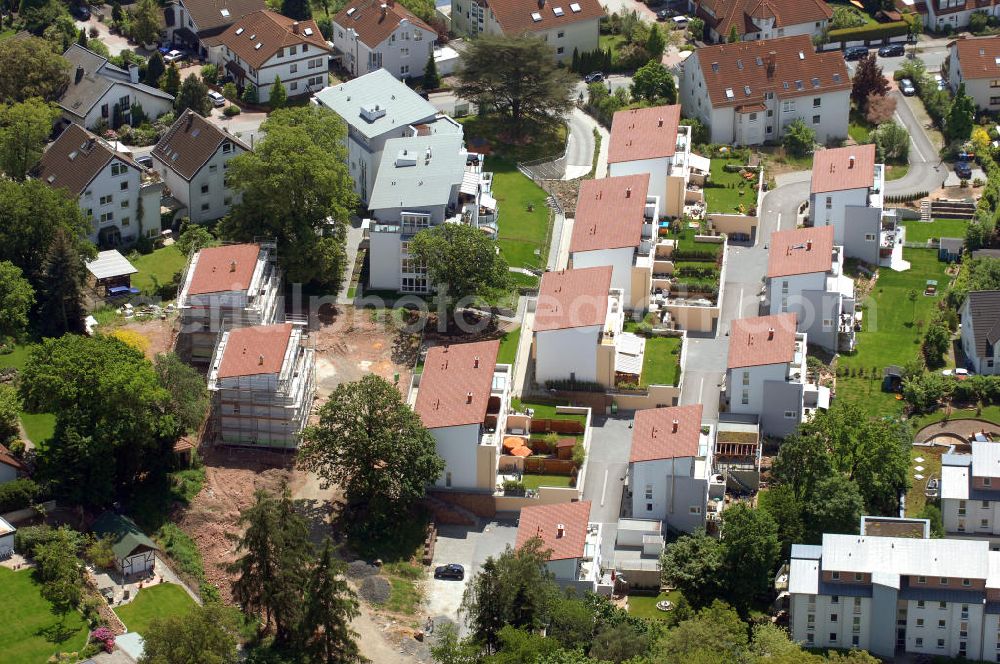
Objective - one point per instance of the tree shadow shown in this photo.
(57, 632)
(318, 514)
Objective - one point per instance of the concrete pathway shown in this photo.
(560, 240)
(579, 144)
(354, 236)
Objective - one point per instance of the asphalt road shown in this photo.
(607, 463)
(579, 144)
(926, 172)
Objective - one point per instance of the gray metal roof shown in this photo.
(901, 555)
(985, 459)
(984, 309)
(803, 576)
(110, 264)
(808, 551)
(376, 103)
(419, 171)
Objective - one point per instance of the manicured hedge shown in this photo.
(869, 32)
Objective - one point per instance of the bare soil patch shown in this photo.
(161, 334)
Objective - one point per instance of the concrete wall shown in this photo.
(457, 447)
(657, 170)
(734, 223)
(404, 53)
(620, 260)
(564, 354)
(781, 397)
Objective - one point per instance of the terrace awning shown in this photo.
(110, 264)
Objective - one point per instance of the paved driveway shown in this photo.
(611, 444)
(469, 547)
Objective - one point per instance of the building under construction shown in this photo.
(237, 283)
(262, 380)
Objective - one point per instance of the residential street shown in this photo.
(611, 444)
(926, 171)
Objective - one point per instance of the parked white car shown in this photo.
(217, 99)
(173, 56)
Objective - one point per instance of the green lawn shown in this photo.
(896, 171)
(160, 265)
(522, 232)
(931, 464)
(644, 606)
(7, 33)
(921, 231)
(405, 593)
(508, 346)
(533, 481)
(661, 364)
(859, 128)
(889, 336)
(29, 633)
(989, 413)
(16, 358)
(38, 426)
(686, 242)
(841, 3)
(160, 601)
(548, 412)
(722, 191)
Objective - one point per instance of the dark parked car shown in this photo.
(855, 52)
(891, 51)
(593, 77)
(665, 14)
(82, 12)
(145, 161)
(963, 169)
(450, 571)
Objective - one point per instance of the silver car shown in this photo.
(906, 87)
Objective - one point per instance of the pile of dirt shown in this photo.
(375, 589)
(359, 569)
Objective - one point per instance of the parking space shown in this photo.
(469, 547)
(611, 443)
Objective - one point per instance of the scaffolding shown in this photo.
(267, 411)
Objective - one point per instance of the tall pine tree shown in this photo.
(431, 79)
(278, 96)
(330, 607)
(170, 82)
(61, 297)
(154, 69)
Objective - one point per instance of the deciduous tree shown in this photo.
(892, 141)
(879, 108)
(16, 299)
(653, 82)
(799, 138)
(716, 631)
(868, 80)
(750, 550)
(193, 94)
(145, 23)
(188, 400)
(655, 43)
(298, 10)
(29, 68)
(296, 188)
(207, 634)
(170, 82)
(24, 130)
(370, 443)
(785, 508)
(693, 565)
(60, 572)
(519, 79)
(834, 506)
(10, 408)
(937, 341)
(462, 262)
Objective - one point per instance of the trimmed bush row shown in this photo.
(869, 32)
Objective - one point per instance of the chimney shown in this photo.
(476, 364)
(232, 266)
(190, 119)
(468, 397)
(560, 527)
(771, 65)
(628, 192)
(659, 123)
(79, 73)
(850, 161)
(809, 245)
(260, 359)
(295, 27)
(770, 334)
(385, 9)
(675, 423)
(133, 73)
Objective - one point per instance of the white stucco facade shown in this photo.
(206, 195)
(989, 365)
(567, 354)
(457, 448)
(404, 53)
(118, 203)
(302, 68)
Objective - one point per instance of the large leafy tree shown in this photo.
(207, 635)
(10, 408)
(892, 141)
(656, 43)
(299, 10)
(274, 554)
(961, 116)
(868, 80)
(652, 82)
(60, 571)
(296, 189)
(462, 262)
(24, 130)
(16, 299)
(111, 427)
(518, 78)
(144, 25)
(693, 564)
(29, 68)
(61, 287)
(716, 634)
(834, 506)
(370, 443)
(799, 138)
(193, 94)
(188, 401)
(512, 589)
(750, 551)
(330, 607)
(784, 507)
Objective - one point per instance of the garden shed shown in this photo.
(135, 553)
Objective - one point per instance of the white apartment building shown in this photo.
(462, 397)
(847, 193)
(975, 62)
(197, 24)
(192, 158)
(970, 490)
(423, 181)
(565, 529)
(119, 197)
(955, 14)
(578, 329)
(767, 376)
(376, 108)
(889, 595)
(980, 317)
(99, 92)
(652, 141)
(805, 276)
(564, 26)
(670, 476)
(372, 34)
(755, 20)
(233, 285)
(614, 226)
(264, 45)
(748, 92)
(262, 380)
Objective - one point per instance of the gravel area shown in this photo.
(375, 589)
(359, 569)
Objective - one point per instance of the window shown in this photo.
(829, 202)
(124, 203)
(940, 643)
(857, 605)
(827, 324)
(919, 642)
(965, 611)
(770, 128)
(857, 577)
(305, 48)
(204, 188)
(227, 147)
(921, 579)
(294, 68)
(815, 119)
(404, 70)
(811, 618)
(941, 624)
(649, 492)
(943, 581)
(204, 207)
(746, 375)
(817, 102)
(107, 200)
(118, 168)
(291, 51)
(966, 582)
(212, 168)
(447, 478)
(418, 35)
(833, 617)
(942, 605)
(745, 400)
(869, 237)
(126, 221)
(984, 523)
(811, 639)
(961, 508)
(834, 599)
(788, 106)
(856, 625)
(920, 622)
(994, 101)
(294, 85)
(560, 50)
(833, 637)
(920, 604)
(560, 34)
(649, 507)
(835, 576)
(790, 415)
(855, 640)
(124, 185)
(753, 117)
(107, 216)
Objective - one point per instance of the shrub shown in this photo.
(871, 32)
(210, 74)
(231, 110)
(18, 494)
(513, 487)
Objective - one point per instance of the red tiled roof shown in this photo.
(372, 24)
(251, 351)
(979, 57)
(788, 67)
(226, 268)
(800, 251)
(7, 459)
(271, 31)
(763, 340)
(654, 435)
(609, 213)
(544, 520)
(784, 12)
(833, 169)
(74, 159)
(189, 143)
(451, 374)
(515, 16)
(644, 133)
(573, 298)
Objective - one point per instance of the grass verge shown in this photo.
(508, 346)
(524, 219)
(533, 481)
(725, 191)
(164, 600)
(157, 268)
(30, 633)
(644, 606)
(921, 231)
(661, 363)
